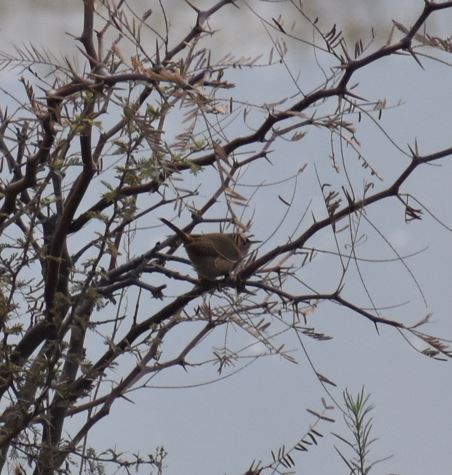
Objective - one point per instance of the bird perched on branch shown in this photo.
(214, 254)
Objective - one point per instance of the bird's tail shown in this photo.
(184, 236)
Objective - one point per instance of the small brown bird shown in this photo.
(215, 254)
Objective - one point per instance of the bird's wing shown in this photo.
(210, 248)
(204, 248)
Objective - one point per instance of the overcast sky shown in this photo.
(221, 427)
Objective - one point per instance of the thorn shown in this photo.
(184, 364)
(196, 9)
(416, 58)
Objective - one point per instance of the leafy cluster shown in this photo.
(102, 146)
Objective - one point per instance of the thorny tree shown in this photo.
(132, 131)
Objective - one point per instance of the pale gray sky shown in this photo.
(220, 428)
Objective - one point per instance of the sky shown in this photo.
(220, 427)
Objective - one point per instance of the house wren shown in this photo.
(214, 254)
